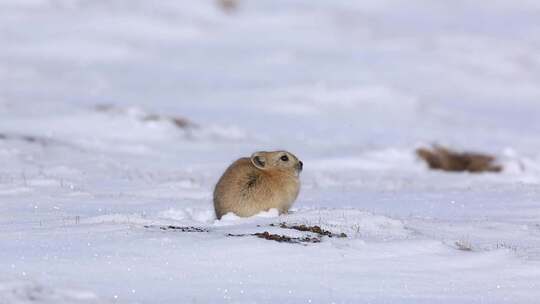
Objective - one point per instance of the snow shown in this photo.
(352, 88)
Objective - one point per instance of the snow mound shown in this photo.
(230, 218)
(354, 223)
(199, 215)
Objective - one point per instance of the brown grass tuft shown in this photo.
(440, 158)
(315, 229)
(228, 6)
(280, 238)
(179, 122)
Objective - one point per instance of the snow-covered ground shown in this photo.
(351, 87)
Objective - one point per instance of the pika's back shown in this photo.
(240, 175)
(265, 180)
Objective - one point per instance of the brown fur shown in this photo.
(441, 158)
(255, 184)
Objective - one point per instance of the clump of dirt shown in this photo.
(314, 229)
(280, 238)
(441, 158)
(104, 108)
(228, 6)
(179, 122)
(283, 238)
(179, 228)
(43, 141)
(26, 138)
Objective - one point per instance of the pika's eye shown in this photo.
(284, 158)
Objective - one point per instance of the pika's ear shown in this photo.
(258, 160)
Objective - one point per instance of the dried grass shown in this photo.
(441, 158)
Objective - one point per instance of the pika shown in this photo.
(263, 181)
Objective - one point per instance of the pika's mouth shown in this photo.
(300, 166)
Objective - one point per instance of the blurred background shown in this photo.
(339, 76)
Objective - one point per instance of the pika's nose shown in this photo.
(300, 165)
